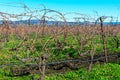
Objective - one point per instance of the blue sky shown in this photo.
(88, 7)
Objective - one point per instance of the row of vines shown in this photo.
(39, 49)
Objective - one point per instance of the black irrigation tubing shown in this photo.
(55, 63)
(77, 60)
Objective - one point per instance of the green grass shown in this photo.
(99, 72)
(109, 71)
